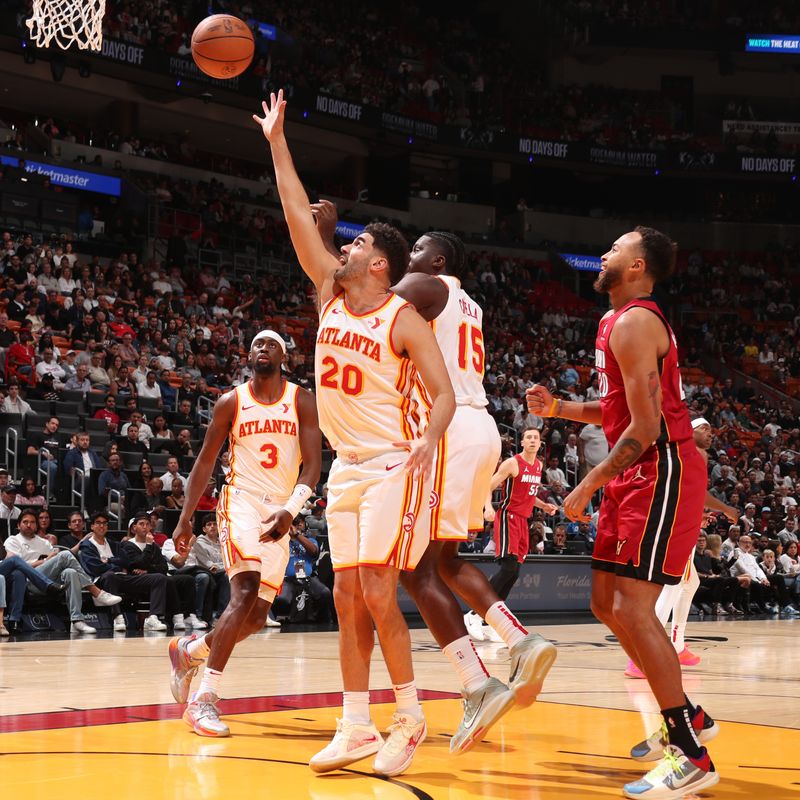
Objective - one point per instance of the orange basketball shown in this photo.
(222, 46)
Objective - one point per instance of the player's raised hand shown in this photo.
(540, 401)
(278, 524)
(272, 121)
(420, 456)
(326, 216)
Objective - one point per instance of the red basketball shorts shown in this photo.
(510, 535)
(651, 513)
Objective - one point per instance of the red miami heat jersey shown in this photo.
(675, 424)
(519, 494)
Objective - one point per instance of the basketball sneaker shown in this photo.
(202, 716)
(474, 625)
(351, 742)
(652, 748)
(482, 708)
(632, 671)
(406, 733)
(531, 660)
(184, 667)
(688, 658)
(676, 776)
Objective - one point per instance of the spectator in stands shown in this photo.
(176, 497)
(150, 501)
(77, 532)
(774, 571)
(129, 443)
(206, 554)
(144, 433)
(49, 366)
(746, 564)
(45, 526)
(7, 338)
(184, 443)
(789, 532)
(731, 544)
(123, 386)
(554, 474)
(98, 376)
(14, 576)
(207, 501)
(163, 437)
(747, 522)
(300, 584)
(21, 359)
(559, 546)
(60, 566)
(82, 457)
(46, 442)
(112, 478)
(80, 381)
(109, 414)
(171, 474)
(791, 570)
(13, 403)
(29, 494)
(183, 416)
(8, 510)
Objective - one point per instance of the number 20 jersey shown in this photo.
(364, 388)
(264, 444)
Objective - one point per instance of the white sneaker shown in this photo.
(106, 599)
(119, 623)
(79, 626)
(271, 623)
(351, 742)
(406, 733)
(195, 622)
(153, 623)
(474, 625)
(178, 622)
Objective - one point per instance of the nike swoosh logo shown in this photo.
(393, 466)
(247, 408)
(335, 311)
(468, 723)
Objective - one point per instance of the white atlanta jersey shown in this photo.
(264, 444)
(459, 332)
(364, 388)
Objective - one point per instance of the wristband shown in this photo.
(553, 406)
(297, 501)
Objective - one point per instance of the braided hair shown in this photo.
(453, 251)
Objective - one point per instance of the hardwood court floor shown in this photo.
(96, 717)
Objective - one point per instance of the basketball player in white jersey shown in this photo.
(370, 345)
(677, 600)
(466, 457)
(271, 427)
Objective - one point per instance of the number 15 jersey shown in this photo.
(265, 445)
(364, 388)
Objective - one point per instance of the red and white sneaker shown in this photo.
(688, 658)
(351, 742)
(632, 671)
(406, 733)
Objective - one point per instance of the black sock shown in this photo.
(691, 706)
(680, 731)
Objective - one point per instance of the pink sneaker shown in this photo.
(632, 671)
(688, 658)
(352, 742)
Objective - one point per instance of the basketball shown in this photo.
(222, 46)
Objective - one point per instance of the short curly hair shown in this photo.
(392, 244)
(660, 253)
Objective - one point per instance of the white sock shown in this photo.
(198, 648)
(356, 707)
(467, 663)
(508, 627)
(405, 694)
(678, 641)
(210, 682)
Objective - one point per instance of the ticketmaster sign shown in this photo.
(582, 263)
(72, 178)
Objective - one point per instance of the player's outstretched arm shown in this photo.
(412, 335)
(279, 523)
(315, 260)
(218, 430)
(635, 341)
(542, 403)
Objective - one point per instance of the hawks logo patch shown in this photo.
(409, 521)
(434, 499)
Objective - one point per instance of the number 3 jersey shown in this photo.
(265, 445)
(364, 388)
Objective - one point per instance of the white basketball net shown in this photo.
(68, 21)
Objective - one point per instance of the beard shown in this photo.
(264, 368)
(606, 281)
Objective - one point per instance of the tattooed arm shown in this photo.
(638, 340)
